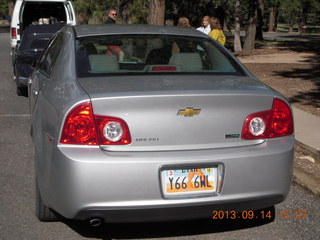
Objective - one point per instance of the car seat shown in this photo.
(186, 62)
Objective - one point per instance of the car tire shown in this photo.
(43, 213)
(22, 91)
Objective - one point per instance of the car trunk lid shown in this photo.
(179, 112)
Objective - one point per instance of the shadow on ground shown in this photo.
(312, 96)
(312, 73)
(167, 229)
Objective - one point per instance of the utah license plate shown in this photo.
(189, 181)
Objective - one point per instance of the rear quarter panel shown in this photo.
(57, 94)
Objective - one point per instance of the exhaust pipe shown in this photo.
(95, 222)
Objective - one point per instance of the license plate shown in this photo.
(190, 181)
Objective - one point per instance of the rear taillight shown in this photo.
(112, 131)
(79, 126)
(14, 33)
(84, 128)
(277, 122)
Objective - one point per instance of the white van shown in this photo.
(27, 12)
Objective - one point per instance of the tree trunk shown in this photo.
(291, 23)
(276, 20)
(123, 10)
(272, 19)
(260, 16)
(237, 38)
(250, 37)
(291, 27)
(156, 12)
(10, 7)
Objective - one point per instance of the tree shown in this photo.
(290, 11)
(196, 10)
(273, 8)
(249, 40)
(260, 17)
(156, 12)
(93, 11)
(84, 10)
(136, 12)
(3, 8)
(237, 39)
(10, 7)
(124, 10)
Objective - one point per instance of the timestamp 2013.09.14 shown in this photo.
(258, 214)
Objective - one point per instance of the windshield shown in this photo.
(151, 54)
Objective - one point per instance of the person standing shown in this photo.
(176, 47)
(205, 25)
(114, 50)
(112, 15)
(184, 22)
(217, 32)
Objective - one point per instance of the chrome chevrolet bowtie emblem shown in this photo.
(189, 112)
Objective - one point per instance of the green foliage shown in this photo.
(295, 11)
(93, 11)
(197, 9)
(272, 3)
(311, 11)
(3, 8)
(138, 12)
(290, 12)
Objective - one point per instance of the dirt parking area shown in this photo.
(294, 71)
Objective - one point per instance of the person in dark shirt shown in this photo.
(112, 15)
(114, 50)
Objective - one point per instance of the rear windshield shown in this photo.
(151, 54)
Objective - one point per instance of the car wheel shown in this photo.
(22, 91)
(43, 213)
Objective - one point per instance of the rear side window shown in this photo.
(39, 44)
(151, 54)
(49, 58)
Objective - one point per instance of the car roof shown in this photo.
(114, 29)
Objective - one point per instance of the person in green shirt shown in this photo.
(216, 32)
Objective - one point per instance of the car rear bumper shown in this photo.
(81, 183)
(175, 213)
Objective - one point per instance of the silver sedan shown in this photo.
(151, 123)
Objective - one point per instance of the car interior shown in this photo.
(36, 13)
(152, 54)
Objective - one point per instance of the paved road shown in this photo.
(17, 220)
(290, 36)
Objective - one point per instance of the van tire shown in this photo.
(22, 91)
